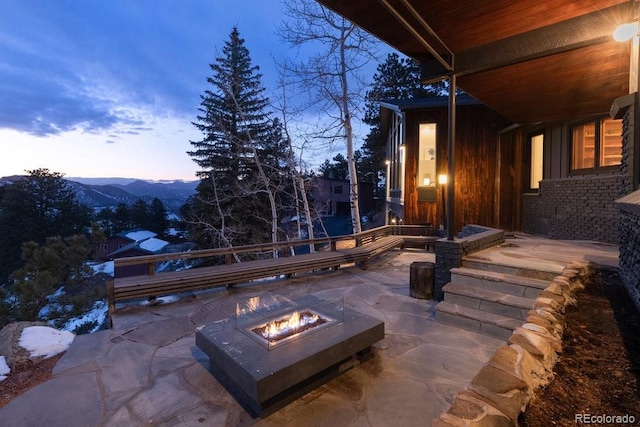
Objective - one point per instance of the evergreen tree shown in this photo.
(339, 169)
(34, 208)
(121, 218)
(139, 214)
(58, 262)
(157, 218)
(106, 219)
(239, 156)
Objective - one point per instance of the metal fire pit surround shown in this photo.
(264, 380)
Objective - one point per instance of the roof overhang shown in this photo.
(530, 60)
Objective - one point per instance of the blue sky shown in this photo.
(100, 88)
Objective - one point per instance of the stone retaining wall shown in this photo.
(504, 386)
(449, 253)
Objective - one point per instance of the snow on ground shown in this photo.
(97, 314)
(39, 341)
(45, 341)
(105, 267)
(4, 369)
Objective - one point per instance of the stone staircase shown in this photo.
(489, 298)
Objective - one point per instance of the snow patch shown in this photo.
(161, 300)
(4, 369)
(96, 316)
(139, 235)
(153, 245)
(104, 267)
(45, 341)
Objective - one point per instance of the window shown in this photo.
(395, 162)
(596, 144)
(426, 179)
(537, 154)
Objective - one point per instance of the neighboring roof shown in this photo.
(529, 60)
(153, 244)
(149, 246)
(137, 234)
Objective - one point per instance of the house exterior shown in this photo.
(416, 137)
(135, 242)
(331, 197)
(554, 69)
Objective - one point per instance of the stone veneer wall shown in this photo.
(449, 253)
(503, 387)
(577, 208)
(630, 244)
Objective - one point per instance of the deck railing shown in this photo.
(284, 248)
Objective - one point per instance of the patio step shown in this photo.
(490, 301)
(512, 269)
(487, 301)
(499, 282)
(475, 320)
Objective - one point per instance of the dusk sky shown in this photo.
(105, 88)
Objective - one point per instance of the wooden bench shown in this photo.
(369, 245)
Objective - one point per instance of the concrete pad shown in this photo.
(393, 400)
(67, 401)
(126, 366)
(166, 399)
(84, 351)
(161, 333)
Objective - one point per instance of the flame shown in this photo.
(252, 305)
(293, 323)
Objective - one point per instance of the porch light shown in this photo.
(625, 32)
(442, 179)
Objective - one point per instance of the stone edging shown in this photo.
(504, 386)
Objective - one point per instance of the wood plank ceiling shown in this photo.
(530, 60)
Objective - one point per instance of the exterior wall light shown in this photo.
(442, 179)
(625, 32)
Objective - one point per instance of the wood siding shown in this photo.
(478, 183)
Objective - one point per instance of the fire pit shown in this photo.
(273, 352)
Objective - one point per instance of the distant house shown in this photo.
(136, 242)
(331, 197)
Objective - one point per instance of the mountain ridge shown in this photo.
(108, 192)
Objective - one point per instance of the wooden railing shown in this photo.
(283, 248)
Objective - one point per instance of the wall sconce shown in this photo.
(625, 32)
(442, 179)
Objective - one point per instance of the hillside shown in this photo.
(108, 192)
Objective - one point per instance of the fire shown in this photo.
(281, 328)
(252, 305)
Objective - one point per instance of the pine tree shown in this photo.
(157, 220)
(139, 214)
(34, 208)
(240, 156)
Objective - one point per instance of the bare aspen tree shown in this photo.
(330, 75)
(299, 187)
